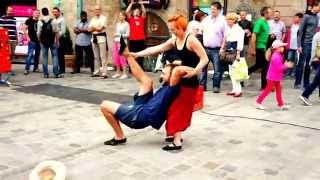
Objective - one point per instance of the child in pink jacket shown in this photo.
(275, 74)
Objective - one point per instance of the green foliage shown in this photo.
(67, 43)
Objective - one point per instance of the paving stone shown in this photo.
(235, 141)
(271, 172)
(211, 165)
(3, 122)
(75, 145)
(62, 113)
(17, 130)
(182, 167)
(171, 172)
(270, 144)
(303, 135)
(6, 140)
(229, 168)
(32, 132)
(108, 151)
(3, 167)
(139, 175)
(267, 126)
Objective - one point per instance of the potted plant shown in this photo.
(68, 47)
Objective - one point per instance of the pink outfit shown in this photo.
(270, 87)
(274, 76)
(119, 61)
(276, 67)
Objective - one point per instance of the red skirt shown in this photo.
(180, 111)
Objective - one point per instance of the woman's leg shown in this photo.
(116, 59)
(238, 88)
(233, 81)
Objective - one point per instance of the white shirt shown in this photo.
(277, 28)
(99, 22)
(122, 29)
(59, 25)
(315, 41)
(235, 34)
(213, 31)
(294, 36)
(194, 27)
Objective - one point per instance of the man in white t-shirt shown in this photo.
(97, 26)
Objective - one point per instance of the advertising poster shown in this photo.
(22, 13)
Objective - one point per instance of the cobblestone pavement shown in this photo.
(228, 140)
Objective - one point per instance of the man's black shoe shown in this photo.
(114, 142)
(58, 76)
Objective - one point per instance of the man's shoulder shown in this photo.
(5, 17)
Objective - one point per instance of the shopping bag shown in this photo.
(240, 70)
(198, 103)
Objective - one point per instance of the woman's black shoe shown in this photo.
(114, 142)
(172, 147)
(170, 139)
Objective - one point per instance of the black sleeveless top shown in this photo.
(190, 59)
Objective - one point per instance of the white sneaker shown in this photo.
(305, 101)
(116, 76)
(123, 76)
(109, 68)
(259, 106)
(284, 108)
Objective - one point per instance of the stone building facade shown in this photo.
(158, 17)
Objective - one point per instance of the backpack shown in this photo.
(47, 36)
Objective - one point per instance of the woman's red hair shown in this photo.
(180, 22)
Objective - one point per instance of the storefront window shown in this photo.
(205, 5)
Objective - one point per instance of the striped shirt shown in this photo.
(9, 23)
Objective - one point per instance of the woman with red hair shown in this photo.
(191, 53)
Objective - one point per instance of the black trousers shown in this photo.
(89, 60)
(136, 46)
(61, 52)
(261, 63)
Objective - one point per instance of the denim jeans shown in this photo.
(55, 62)
(33, 55)
(213, 55)
(315, 83)
(292, 57)
(303, 67)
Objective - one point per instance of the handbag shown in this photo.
(228, 56)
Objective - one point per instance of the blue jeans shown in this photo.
(315, 83)
(33, 55)
(292, 57)
(213, 55)
(55, 62)
(303, 67)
